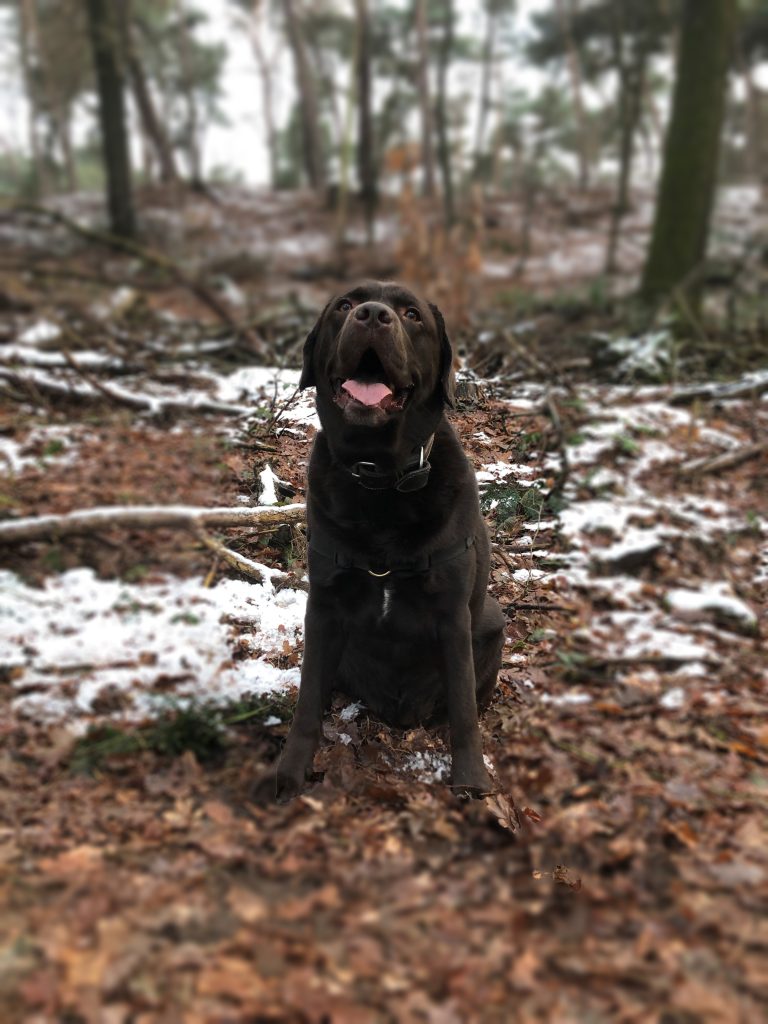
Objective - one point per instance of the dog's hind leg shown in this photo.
(487, 643)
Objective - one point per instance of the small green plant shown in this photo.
(626, 445)
(53, 447)
(135, 573)
(200, 728)
(194, 728)
(187, 618)
(515, 501)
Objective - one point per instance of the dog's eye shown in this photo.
(344, 306)
(412, 313)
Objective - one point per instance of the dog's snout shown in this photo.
(376, 314)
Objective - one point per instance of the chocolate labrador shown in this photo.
(398, 614)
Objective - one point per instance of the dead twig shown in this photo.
(146, 517)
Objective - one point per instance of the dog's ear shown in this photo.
(307, 379)
(447, 378)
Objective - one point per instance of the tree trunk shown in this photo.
(266, 74)
(104, 33)
(755, 128)
(314, 162)
(150, 122)
(692, 145)
(191, 131)
(366, 156)
(480, 160)
(64, 133)
(28, 45)
(565, 10)
(631, 69)
(425, 101)
(441, 110)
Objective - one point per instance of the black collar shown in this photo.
(412, 477)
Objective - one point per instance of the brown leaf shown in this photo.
(231, 977)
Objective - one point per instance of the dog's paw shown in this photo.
(470, 780)
(276, 787)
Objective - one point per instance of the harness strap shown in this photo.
(422, 563)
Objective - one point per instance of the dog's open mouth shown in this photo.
(368, 386)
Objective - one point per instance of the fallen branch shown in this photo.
(146, 517)
(728, 460)
(257, 571)
(758, 385)
(39, 383)
(160, 261)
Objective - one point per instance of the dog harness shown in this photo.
(411, 566)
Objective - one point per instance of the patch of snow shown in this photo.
(427, 766)
(648, 354)
(351, 711)
(80, 635)
(673, 699)
(268, 494)
(712, 597)
(260, 386)
(39, 333)
(57, 443)
(561, 699)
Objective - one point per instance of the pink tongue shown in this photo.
(368, 394)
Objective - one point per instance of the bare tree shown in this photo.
(266, 65)
(630, 54)
(425, 100)
(689, 174)
(151, 123)
(314, 159)
(105, 42)
(444, 54)
(566, 9)
(366, 156)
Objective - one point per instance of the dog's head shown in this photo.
(376, 352)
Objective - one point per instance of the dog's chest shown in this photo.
(393, 605)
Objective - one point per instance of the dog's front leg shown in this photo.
(323, 644)
(468, 770)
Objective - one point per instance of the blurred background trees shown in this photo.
(365, 102)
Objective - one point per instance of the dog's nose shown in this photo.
(375, 313)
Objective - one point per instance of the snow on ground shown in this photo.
(83, 646)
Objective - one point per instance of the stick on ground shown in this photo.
(146, 517)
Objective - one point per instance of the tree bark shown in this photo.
(150, 121)
(631, 70)
(105, 39)
(425, 100)
(266, 74)
(691, 151)
(565, 10)
(480, 162)
(314, 160)
(441, 110)
(28, 45)
(366, 157)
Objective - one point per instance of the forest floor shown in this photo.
(619, 871)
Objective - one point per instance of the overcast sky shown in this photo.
(239, 144)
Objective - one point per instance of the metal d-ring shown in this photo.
(379, 574)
